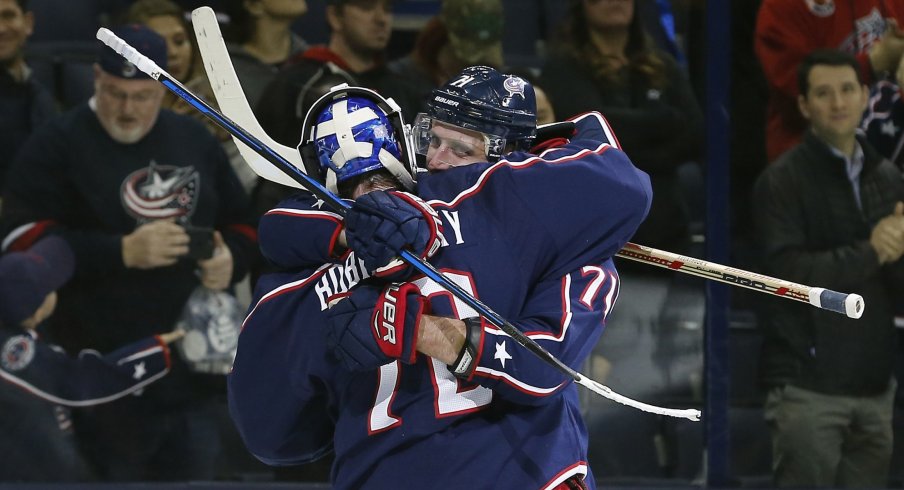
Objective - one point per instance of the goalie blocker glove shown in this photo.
(373, 325)
(381, 224)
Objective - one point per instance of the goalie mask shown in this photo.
(351, 131)
(502, 108)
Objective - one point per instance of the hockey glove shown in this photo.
(381, 224)
(552, 135)
(374, 326)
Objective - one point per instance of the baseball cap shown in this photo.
(475, 30)
(26, 278)
(144, 40)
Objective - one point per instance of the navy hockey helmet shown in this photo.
(502, 107)
(351, 131)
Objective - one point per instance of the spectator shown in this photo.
(121, 180)
(24, 103)
(883, 121)
(359, 34)
(605, 55)
(167, 19)
(360, 31)
(787, 31)
(41, 381)
(260, 40)
(466, 33)
(830, 212)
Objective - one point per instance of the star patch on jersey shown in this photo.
(18, 353)
(821, 8)
(501, 353)
(140, 371)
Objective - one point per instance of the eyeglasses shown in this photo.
(119, 96)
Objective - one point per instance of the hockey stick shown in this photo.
(848, 304)
(147, 66)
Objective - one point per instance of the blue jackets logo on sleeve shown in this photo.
(18, 352)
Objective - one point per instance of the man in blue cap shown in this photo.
(40, 382)
(152, 210)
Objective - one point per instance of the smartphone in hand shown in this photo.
(200, 242)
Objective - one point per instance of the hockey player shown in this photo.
(372, 398)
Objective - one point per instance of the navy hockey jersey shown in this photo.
(519, 235)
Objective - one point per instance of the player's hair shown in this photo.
(380, 178)
(830, 57)
(643, 60)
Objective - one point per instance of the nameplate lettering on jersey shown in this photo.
(452, 222)
(339, 279)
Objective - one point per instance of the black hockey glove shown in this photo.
(374, 326)
(381, 224)
(552, 135)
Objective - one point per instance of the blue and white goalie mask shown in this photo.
(354, 131)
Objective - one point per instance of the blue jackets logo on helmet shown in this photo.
(514, 86)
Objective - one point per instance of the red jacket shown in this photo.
(788, 30)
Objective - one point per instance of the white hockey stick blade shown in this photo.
(232, 101)
(690, 413)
